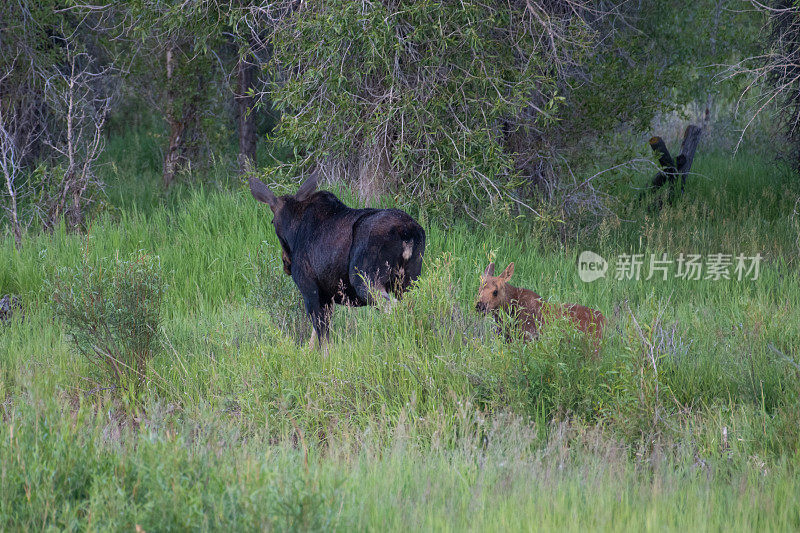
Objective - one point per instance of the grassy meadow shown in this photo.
(423, 417)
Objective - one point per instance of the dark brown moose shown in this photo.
(530, 311)
(336, 254)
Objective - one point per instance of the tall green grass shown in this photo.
(421, 416)
(86, 471)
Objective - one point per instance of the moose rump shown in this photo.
(339, 255)
(385, 254)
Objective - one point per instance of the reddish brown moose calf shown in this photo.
(530, 311)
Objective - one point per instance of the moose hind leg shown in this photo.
(321, 320)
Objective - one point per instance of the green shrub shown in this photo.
(112, 310)
(557, 376)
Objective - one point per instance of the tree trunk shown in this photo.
(245, 116)
(15, 225)
(691, 139)
(671, 169)
(175, 131)
(177, 123)
(74, 213)
(173, 155)
(718, 8)
(664, 158)
(707, 113)
(374, 171)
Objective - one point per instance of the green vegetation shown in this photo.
(111, 309)
(421, 417)
(425, 96)
(158, 377)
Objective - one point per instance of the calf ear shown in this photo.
(262, 193)
(489, 271)
(508, 272)
(308, 187)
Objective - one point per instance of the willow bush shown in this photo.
(112, 310)
(444, 101)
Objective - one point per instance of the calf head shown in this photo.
(286, 211)
(494, 292)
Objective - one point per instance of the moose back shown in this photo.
(336, 254)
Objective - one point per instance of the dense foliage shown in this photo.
(456, 106)
(426, 97)
(774, 72)
(154, 372)
(424, 414)
(154, 369)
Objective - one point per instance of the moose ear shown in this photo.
(508, 272)
(308, 187)
(262, 193)
(489, 271)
